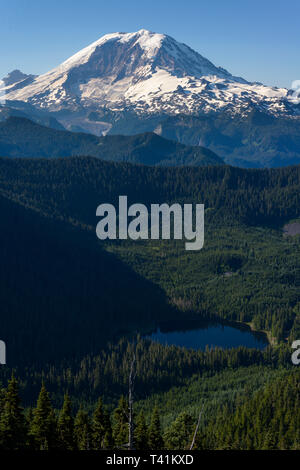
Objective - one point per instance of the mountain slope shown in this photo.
(28, 112)
(245, 214)
(129, 83)
(23, 138)
(254, 141)
(17, 79)
(61, 294)
(74, 187)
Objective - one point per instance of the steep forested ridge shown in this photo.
(20, 137)
(58, 290)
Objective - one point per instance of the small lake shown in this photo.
(212, 335)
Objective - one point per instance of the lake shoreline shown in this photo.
(197, 333)
(271, 339)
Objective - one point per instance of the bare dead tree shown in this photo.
(131, 381)
(197, 428)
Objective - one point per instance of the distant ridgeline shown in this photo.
(20, 137)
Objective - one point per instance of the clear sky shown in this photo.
(256, 39)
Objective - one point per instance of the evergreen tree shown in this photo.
(43, 427)
(98, 426)
(2, 399)
(82, 430)
(155, 440)
(12, 420)
(179, 434)
(66, 425)
(108, 441)
(29, 418)
(120, 424)
(141, 433)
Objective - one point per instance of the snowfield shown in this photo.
(148, 73)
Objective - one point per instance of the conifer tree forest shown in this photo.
(75, 310)
(267, 420)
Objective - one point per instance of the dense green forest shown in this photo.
(73, 187)
(269, 419)
(58, 290)
(159, 367)
(248, 271)
(74, 309)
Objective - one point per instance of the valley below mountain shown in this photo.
(53, 202)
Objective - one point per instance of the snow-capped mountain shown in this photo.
(148, 73)
(17, 79)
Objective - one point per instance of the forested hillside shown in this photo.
(20, 137)
(58, 290)
(269, 420)
(72, 306)
(75, 187)
(245, 213)
(254, 140)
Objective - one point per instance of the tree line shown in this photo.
(43, 428)
(270, 419)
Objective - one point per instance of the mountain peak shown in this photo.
(147, 73)
(177, 57)
(15, 76)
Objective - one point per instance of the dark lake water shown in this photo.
(200, 336)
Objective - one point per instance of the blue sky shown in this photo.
(258, 40)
